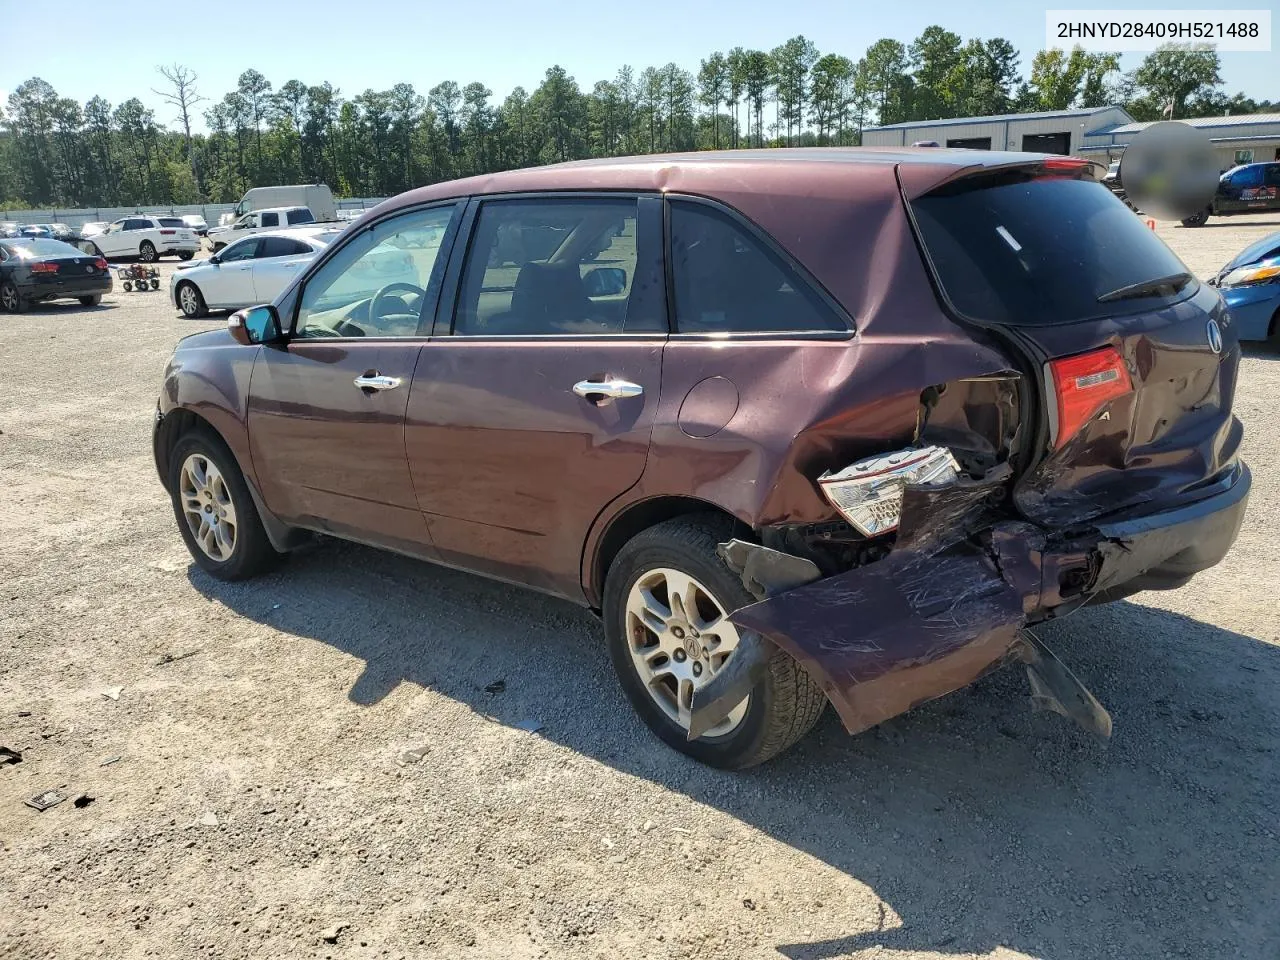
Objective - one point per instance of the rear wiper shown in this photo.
(1149, 288)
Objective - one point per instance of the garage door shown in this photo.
(972, 143)
(1047, 143)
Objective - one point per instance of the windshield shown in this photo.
(37, 247)
(1028, 252)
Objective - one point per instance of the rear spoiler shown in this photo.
(918, 179)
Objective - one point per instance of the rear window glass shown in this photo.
(37, 247)
(172, 222)
(1031, 252)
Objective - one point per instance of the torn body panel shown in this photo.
(949, 601)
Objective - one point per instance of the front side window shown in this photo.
(244, 250)
(562, 266)
(728, 281)
(271, 219)
(137, 224)
(381, 281)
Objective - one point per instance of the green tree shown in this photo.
(935, 57)
(1174, 73)
(830, 93)
(884, 73)
(713, 89)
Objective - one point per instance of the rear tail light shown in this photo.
(167, 233)
(1064, 163)
(869, 493)
(101, 263)
(44, 268)
(1084, 384)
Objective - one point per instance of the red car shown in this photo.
(802, 425)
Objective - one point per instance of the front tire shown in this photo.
(91, 301)
(147, 252)
(1197, 219)
(216, 514)
(10, 299)
(649, 632)
(190, 301)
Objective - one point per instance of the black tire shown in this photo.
(198, 306)
(147, 252)
(91, 301)
(185, 254)
(252, 553)
(783, 707)
(1197, 219)
(10, 299)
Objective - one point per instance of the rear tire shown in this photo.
(781, 708)
(147, 252)
(185, 254)
(91, 301)
(1197, 219)
(218, 519)
(191, 301)
(10, 299)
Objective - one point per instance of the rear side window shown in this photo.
(300, 216)
(281, 247)
(728, 281)
(271, 219)
(1033, 252)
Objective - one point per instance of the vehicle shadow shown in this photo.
(1261, 350)
(977, 823)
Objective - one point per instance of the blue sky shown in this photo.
(113, 48)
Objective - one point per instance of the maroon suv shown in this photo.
(803, 425)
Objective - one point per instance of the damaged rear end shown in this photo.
(1105, 461)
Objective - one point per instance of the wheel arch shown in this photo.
(631, 520)
(177, 423)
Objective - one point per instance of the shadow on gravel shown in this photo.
(978, 823)
(1261, 350)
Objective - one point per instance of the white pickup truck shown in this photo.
(272, 218)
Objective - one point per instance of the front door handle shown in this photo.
(607, 389)
(377, 382)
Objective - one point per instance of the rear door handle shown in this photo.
(611, 389)
(377, 382)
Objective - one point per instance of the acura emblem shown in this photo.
(1215, 336)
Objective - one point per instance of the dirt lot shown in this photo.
(263, 804)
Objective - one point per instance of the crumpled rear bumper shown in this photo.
(946, 605)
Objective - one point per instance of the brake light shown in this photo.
(1064, 163)
(1084, 384)
(44, 268)
(101, 263)
(167, 233)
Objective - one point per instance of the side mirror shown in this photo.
(254, 325)
(215, 259)
(605, 282)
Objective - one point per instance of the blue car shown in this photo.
(1250, 284)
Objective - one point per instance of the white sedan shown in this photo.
(253, 270)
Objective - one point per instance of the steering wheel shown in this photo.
(390, 288)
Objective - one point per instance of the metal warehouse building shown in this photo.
(1055, 131)
(1247, 138)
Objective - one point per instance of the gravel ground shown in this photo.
(310, 765)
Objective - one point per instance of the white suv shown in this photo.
(148, 238)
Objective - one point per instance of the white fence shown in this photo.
(210, 211)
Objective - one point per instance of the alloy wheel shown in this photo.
(679, 636)
(9, 297)
(189, 299)
(207, 507)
